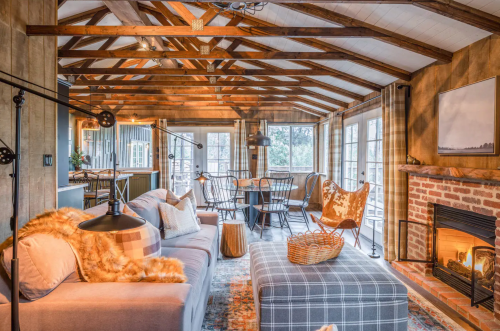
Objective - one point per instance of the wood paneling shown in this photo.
(469, 65)
(33, 59)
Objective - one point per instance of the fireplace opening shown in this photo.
(463, 252)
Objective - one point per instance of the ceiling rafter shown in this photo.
(96, 18)
(321, 45)
(81, 17)
(390, 37)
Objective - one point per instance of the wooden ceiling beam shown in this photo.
(198, 92)
(321, 45)
(320, 84)
(193, 55)
(389, 36)
(249, 83)
(209, 16)
(186, 31)
(81, 17)
(96, 18)
(130, 15)
(194, 72)
(463, 13)
(184, 98)
(187, 103)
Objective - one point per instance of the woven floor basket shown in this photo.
(314, 247)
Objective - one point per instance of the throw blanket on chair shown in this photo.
(99, 258)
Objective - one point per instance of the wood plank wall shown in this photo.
(476, 62)
(33, 59)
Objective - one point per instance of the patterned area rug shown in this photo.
(231, 307)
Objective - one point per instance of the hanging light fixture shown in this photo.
(258, 140)
(134, 117)
(91, 124)
(242, 7)
(201, 178)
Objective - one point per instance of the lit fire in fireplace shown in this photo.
(468, 262)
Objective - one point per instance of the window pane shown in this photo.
(302, 148)
(355, 133)
(371, 172)
(354, 149)
(224, 153)
(213, 153)
(379, 128)
(372, 151)
(224, 139)
(348, 152)
(380, 153)
(380, 174)
(372, 129)
(279, 151)
(326, 143)
(212, 139)
(348, 134)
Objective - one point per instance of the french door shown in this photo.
(215, 157)
(363, 161)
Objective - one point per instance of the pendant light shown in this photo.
(114, 220)
(201, 178)
(258, 140)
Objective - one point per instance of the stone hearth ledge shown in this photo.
(490, 175)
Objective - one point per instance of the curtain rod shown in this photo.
(343, 111)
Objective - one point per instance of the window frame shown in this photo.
(291, 126)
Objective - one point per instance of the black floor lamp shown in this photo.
(7, 155)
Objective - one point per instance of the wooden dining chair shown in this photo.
(240, 174)
(92, 191)
(343, 209)
(225, 196)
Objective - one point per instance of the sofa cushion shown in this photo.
(205, 240)
(146, 206)
(140, 243)
(44, 262)
(160, 193)
(195, 266)
(173, 199)
(178, 220)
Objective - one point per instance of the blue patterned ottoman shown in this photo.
(351, 291)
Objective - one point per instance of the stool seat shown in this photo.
(234, 239)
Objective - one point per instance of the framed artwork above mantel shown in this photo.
(469, 119)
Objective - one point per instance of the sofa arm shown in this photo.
(208, 217)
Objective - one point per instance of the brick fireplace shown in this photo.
(432, 186)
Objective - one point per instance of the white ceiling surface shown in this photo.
(407, 20)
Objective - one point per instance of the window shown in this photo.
(134, 146)
(291, 148)
(182, 169)
(326, 144)
(375, 171)
(351, 157)
(218, 152)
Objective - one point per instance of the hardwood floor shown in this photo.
(275, 233)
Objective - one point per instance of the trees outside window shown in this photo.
(292, 148)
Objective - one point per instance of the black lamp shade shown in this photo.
(258, 140)
(111, 223)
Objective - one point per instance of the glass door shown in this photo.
(363, 161)
(185, 160)
(215, 157)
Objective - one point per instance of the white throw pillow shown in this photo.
(174, 199)
(179, 220)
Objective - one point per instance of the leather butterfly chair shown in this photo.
(343, 209)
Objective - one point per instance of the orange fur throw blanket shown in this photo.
(99, 258)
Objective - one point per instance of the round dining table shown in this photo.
(252, 198)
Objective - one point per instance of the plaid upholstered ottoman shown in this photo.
(351, 291)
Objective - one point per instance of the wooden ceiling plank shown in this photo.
(137, 82)
(390, 37)
(208, 31)
(182, 11)
(184, 98)
(215, 55)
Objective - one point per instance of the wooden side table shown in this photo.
(234, 239)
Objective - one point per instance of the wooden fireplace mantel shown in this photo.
(491, 175)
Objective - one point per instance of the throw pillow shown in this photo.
(179, 220)
(44, 263)
(139, 243)
(174, 199)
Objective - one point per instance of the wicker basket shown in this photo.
(314, 247)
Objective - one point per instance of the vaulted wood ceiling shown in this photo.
(316, 57)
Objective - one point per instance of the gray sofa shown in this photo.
(77, 305)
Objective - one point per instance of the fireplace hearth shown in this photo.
(462, 252)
